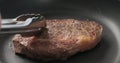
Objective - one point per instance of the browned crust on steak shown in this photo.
(60, 39)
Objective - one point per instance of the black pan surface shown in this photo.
(105, 12)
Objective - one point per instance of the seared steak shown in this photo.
(59, 39)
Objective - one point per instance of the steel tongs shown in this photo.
(20, 23)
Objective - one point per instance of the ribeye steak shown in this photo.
(59, 39)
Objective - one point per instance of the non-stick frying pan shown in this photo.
(106, 12)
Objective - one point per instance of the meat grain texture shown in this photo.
(59, 39)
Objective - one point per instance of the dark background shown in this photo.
(13, 8)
